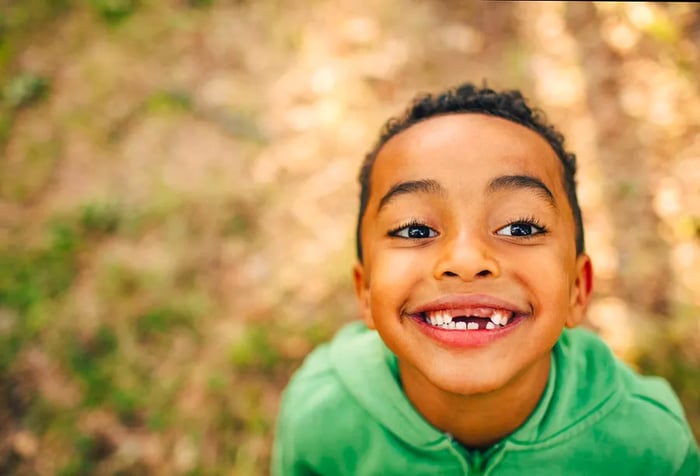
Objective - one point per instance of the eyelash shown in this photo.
(412, 222)
(532, 221)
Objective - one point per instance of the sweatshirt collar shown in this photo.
(372, 378)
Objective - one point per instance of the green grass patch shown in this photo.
(20, 91)
(90, 362)
(24, 90)
(160, 321)
(86, 448)
(100, 218)
(238, 224)
(115, 11)
(128, 405)
(45, 417)
(18, 20)
(98, 364)
(169, 101)
(159, 420)
(30, 279)
(254, 351)
(201, 3)
(28, 176)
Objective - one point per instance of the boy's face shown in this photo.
(468, 222)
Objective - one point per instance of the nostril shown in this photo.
(482, 274)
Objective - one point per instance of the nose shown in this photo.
(466, 256)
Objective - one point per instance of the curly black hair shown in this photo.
(468, 98)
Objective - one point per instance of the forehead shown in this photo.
(465, 148)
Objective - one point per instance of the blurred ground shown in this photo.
(178, 197)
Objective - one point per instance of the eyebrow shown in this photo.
(505, 182)
(413, 186)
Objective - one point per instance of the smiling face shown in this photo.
(470, 269)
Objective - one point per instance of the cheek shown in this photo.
(548, 274)
(395, 272)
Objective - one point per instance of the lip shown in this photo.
(467, 338)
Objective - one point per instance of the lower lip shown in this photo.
(466, 338)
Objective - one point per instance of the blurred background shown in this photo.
(178, 199)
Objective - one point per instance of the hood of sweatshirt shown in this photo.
(576, 391)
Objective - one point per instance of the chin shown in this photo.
(459, 382)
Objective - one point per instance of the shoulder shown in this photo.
(595, 363)
(639, 417)
(316, 392)
(319, 416)
(321, 381)
(652, 417)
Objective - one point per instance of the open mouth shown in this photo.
(473, 319)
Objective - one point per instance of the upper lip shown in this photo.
(461, 301)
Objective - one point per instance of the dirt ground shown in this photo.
(178, 199)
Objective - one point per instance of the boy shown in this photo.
(470, 265)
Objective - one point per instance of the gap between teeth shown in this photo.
(443, 319)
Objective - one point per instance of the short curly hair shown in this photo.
(468, 98)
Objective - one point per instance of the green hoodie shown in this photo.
(344, 413)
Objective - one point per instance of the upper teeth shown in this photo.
(500, 317)
(443, 318)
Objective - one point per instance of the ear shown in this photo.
(362, 294)
(581, 291)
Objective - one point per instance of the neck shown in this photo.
(478, 420)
